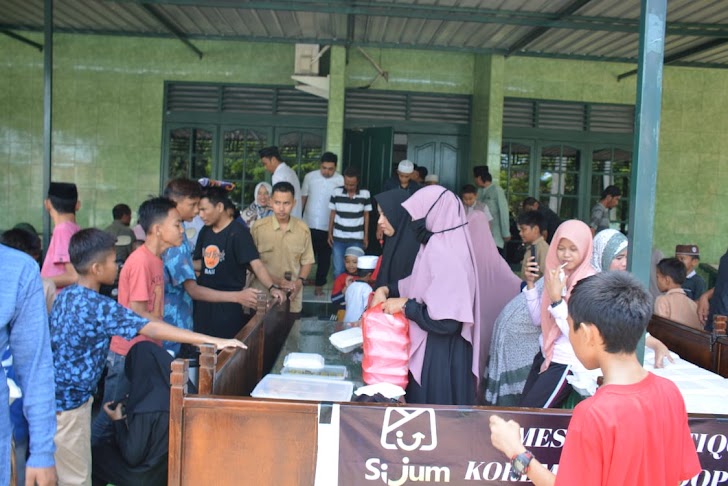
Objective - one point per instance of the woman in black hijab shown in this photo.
(400, 242)
(138, 453)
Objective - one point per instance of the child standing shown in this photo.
(469, 196)
(62, 204)
(82, 322)
(674, 304)
(689, 255)
(530, 226)
(141, 290)
(351, 258)
(619, 435)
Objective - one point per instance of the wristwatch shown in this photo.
(519, 464)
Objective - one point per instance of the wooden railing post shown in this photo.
(178, 380)
(208, 361)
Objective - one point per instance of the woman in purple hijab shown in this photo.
(441, 300)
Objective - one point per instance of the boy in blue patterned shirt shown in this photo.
(82, 323)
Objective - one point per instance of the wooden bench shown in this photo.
(720, 349)
(235, 372)
(690, 344)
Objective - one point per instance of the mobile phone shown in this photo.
(533, 252)
(122, 400)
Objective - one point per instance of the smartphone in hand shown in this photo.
(122, 400)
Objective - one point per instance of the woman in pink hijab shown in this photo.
(567, 262)
(441, 300)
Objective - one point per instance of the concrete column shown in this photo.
(337, 94)
(486, 129)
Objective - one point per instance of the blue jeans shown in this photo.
(116, 387)
(338, 255)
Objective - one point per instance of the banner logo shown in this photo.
(409, 429)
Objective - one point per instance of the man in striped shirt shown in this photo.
(349, 218)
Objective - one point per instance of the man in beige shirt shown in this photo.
(284, 245)
(674, 304)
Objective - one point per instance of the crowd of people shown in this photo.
(480, 333)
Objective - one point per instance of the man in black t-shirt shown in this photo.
(224, 252)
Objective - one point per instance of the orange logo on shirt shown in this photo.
(213, 256)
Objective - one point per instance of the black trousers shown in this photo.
(322, 253)
(548, 389)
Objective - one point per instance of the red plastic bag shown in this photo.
(386, 347)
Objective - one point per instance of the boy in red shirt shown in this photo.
(351, 259)
(634, 430)
(141, 289)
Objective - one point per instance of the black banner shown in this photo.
(403, 445)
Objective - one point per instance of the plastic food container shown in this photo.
(328, 372)
(303, 388)
(347, 340)
(304, 361)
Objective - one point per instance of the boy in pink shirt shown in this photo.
(62, 204)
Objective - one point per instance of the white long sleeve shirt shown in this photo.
(563, 352)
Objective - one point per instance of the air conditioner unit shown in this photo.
(306, 69)
(307, 59)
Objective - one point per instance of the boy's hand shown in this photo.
(41, 476)
(661, 351)
(330, 239)
(660, 354)
(249, 297)
(116, 413)
(703, 308)
(297, 287)
(554, 286)
(228, 343)
(288, 286)
(506, 436)
(279, 295)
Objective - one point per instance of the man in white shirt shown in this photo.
(270, 157)
(318, 185)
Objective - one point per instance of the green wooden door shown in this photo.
(370, 150)
(440, 154)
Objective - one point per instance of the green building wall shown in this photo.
(107, 114)
(108, 98)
